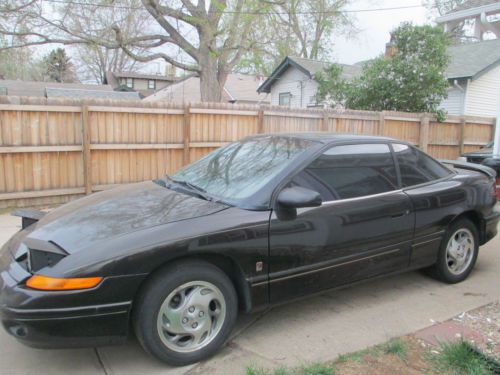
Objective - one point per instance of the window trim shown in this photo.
(132, 82)
(154, 84)
(361, 197)
(283, 94)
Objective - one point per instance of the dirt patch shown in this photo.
(376, 362)
(485, 320)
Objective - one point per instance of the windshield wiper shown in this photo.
(202, 193)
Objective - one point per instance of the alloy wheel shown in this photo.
(460, 251)
(191, 316)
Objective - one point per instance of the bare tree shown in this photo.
(207, 39)
(436, 8)
(304, 28)
(93, 60)
(311, 23)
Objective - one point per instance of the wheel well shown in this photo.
(225, 264)
(476, 219)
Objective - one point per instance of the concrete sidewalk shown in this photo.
(315, 329)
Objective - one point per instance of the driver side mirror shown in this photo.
(289, 199)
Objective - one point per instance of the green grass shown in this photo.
(312, 369)
(461, 359)
(396, 347)
(352, 357)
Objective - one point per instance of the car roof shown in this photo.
(325, 137)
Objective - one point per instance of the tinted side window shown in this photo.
(350, 171)
(416, 167)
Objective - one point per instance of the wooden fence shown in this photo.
(51, 152)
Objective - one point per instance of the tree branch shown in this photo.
(153, 9)
(152, 56)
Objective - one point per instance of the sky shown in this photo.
(375, 28)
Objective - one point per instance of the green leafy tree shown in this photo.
(412, 80)
(333, 89)
(58, 67)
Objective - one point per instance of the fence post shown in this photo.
(187, 135)
(424, 133)
(324, 121)
(462, 135)
(260, 121)
(381, 123)
(87, 157)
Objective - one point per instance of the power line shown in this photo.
(365, 10)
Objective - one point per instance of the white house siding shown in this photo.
(454, 103)
(298, 84)
(483, 94)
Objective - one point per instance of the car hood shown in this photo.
(115, 212)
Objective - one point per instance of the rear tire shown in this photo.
(185, 312)
(458, 252)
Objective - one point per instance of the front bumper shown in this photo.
(68, 328)
(63, 319)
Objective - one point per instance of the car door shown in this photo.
(363, 228)
(435, 198)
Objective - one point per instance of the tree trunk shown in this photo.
(211, 82)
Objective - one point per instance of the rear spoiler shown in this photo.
(29, 216)
(471, 167)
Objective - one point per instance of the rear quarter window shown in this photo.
(416, 167)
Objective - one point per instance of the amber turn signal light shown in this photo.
(41, 282)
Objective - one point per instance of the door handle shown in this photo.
(400, 214)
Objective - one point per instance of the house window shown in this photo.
(130, 83)
(151, 84)
(285, 98)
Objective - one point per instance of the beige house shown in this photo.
(145, 84)
(239, 88)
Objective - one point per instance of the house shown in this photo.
(239, 88)
(63, 90)
(292, 83)
(144, 84)
(483, 14)
(474, 76)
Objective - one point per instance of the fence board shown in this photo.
(51, 153)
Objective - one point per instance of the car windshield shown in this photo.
(240, 169)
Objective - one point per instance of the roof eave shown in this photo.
(275, 75)
(458, 77)
(468, 13)
(486, 70)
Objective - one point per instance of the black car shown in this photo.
(480, 155)
(257, 222)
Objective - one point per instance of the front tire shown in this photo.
(185, 312)
(458, 252)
